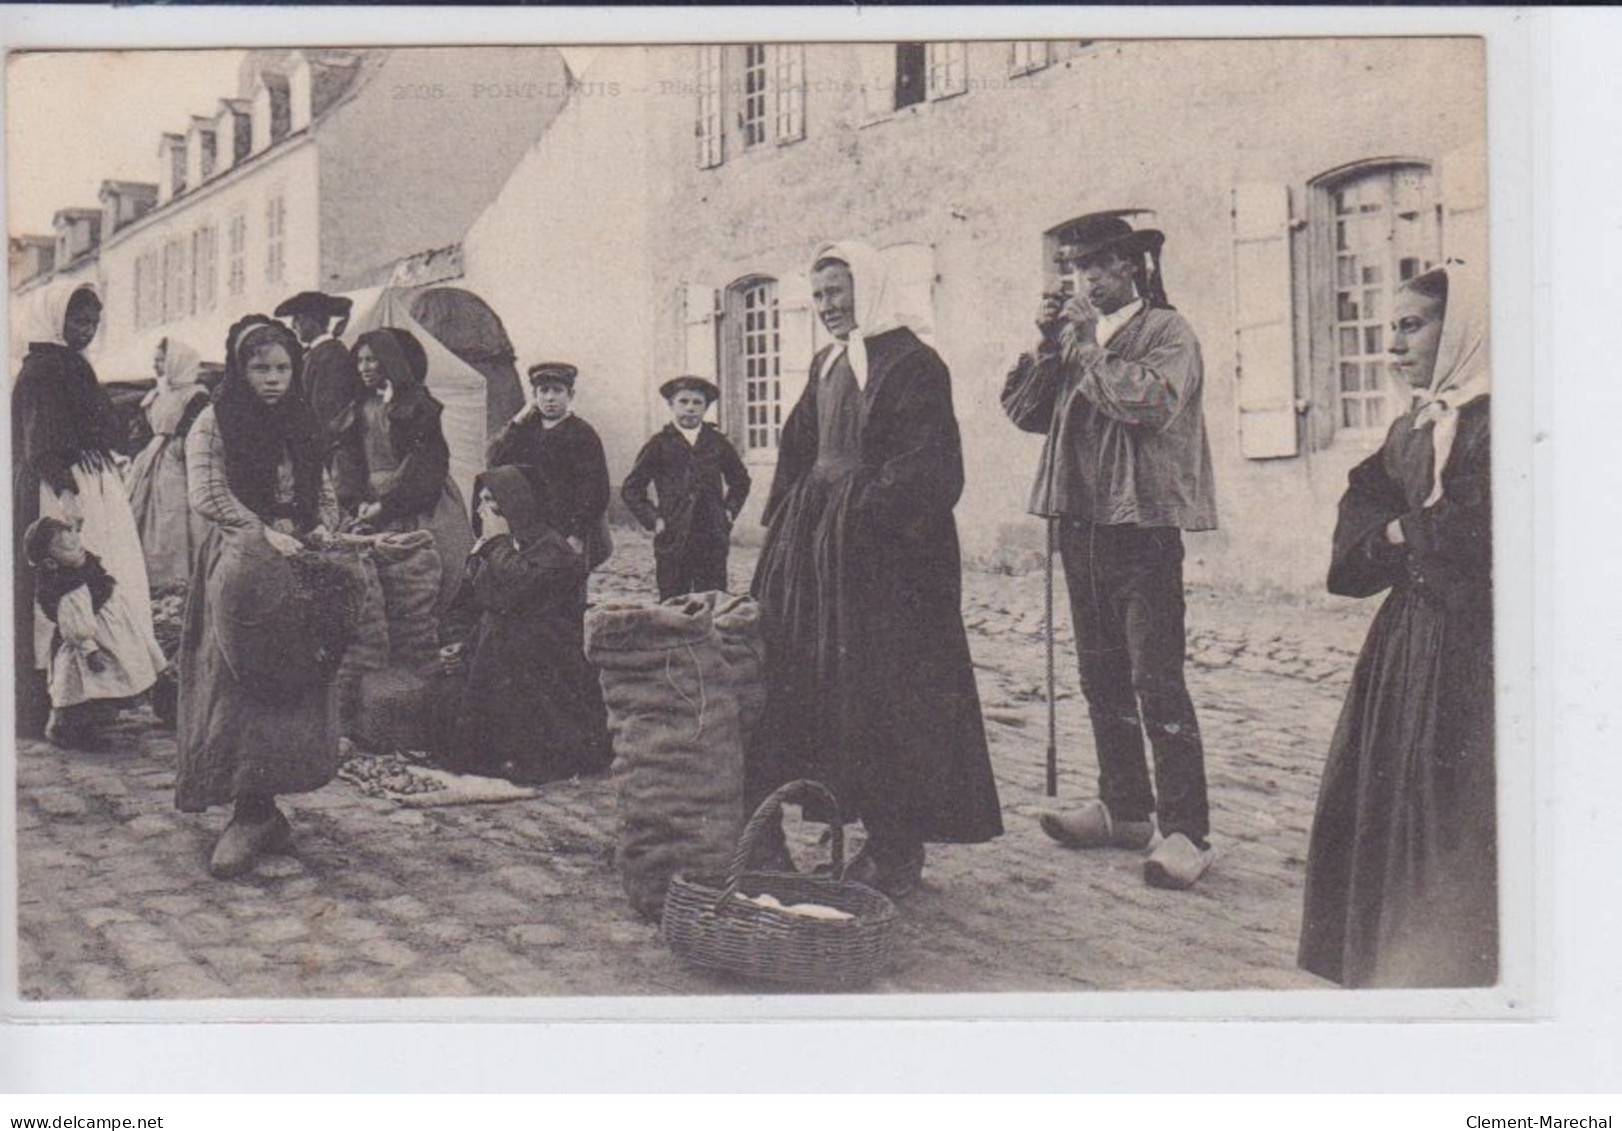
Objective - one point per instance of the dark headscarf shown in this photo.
(527, 503)
(257, 435)
(401, 357)
(404, 362)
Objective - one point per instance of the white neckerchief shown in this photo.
(1110, 324)
(548, 425)
(1463, 373)
(874, 312)
(690, 433)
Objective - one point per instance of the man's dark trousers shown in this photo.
(1126, 601)
(697, 567)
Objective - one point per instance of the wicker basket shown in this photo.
(709, 921)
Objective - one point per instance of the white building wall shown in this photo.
(126, 347)
(562, 254)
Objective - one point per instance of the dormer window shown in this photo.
(272, 107)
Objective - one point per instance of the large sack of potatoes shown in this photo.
(675, 724)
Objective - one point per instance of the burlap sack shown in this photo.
(283, 623)
(410, 571)
(674, 723)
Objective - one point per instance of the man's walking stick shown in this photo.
(1053, 725)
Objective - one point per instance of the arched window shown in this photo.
(752, 364)
(1375, 227)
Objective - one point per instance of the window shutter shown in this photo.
(709, 128)
(947, 68)
(878, 79)
(1263, 350)
(788, 75)
(698, 318)
(796, 322)
(911, 270)
(1464, 205)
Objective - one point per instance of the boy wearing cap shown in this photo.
(702, 485)
(546, 434)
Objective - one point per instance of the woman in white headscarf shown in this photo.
(870, 688)
(64, 433)
(1402, 875)
(170, 530)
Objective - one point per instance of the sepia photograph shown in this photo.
(754, 518)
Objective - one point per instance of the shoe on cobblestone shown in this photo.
(895, 870)
(1176, 863)
(1091, 826)
(243, 842)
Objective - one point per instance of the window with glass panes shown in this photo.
(753, 117)
(762, 366)
(1384, 233)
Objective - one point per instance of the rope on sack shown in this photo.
(703, 699)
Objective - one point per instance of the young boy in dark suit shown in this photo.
(701, 484)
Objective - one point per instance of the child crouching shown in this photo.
(99, 655)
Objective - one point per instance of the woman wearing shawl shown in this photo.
(1402, 874)
(254, 473)
(64, 433)
(393, 469)
(870, 688)
(170, 530)
(532, 710)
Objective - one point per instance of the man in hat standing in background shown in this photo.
(1116, 384)
(702, 485)
(548, 435)
(330, 381)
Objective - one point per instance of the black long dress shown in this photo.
(532, 709)
(1402, 870)
(870, 688)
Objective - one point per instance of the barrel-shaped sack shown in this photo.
(674, 724)
(393, 711)
(737, 625)
(737, 622)
(409, 569)
(283, 623)
(368, 650)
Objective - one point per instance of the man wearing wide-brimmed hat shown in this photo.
(1116, 382)
(330, 381)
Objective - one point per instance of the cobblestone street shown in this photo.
(521, 898)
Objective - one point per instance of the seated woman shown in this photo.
(532, 710)
(1402, 877)
(170, 530)
(254, 472)
(393, 470)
